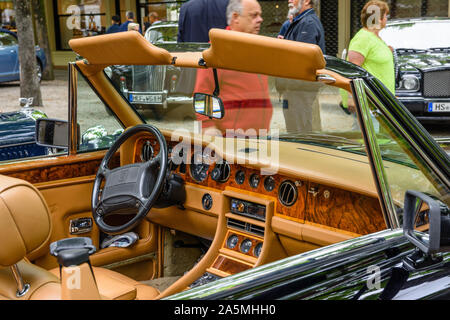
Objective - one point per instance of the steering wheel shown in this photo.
(132, 188)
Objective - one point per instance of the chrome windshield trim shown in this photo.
(73, 82)
(374, 154)
(406, 136)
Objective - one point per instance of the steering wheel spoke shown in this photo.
(155, 161)
(126, 184)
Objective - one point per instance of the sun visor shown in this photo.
(121, 48)
(260, 54)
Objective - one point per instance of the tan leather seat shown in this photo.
(25, 230)
(113, 285)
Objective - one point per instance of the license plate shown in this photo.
(439, 107)
(145, 98)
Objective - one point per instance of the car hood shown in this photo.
(19, 126)
(423, 59)
(16, 127)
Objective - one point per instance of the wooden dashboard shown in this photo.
(312, 202)
(300, 214)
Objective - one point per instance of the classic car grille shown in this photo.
(148, 78)
(157, 77)
(436, 84)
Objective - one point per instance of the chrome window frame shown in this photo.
(374, 154)
(363, 92)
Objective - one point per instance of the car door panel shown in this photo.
(66, 183)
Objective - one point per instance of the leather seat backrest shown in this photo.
(25, 224)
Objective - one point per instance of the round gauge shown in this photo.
(198, 169)
(232, 241)
(254, 181)
(207, 201)
(240, 177)
(257, 249)
(246, 246)
(269, 184)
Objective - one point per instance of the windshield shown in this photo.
(418, 35)
(256, 106)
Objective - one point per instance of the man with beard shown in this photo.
(306, 26)
(301, 107)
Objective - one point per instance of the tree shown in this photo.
(42, 37)
(29, 82)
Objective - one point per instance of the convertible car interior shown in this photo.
(162, 210)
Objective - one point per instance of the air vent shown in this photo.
(233, 223)
(147, 151)
(256, 230)
(248, 227)
(287, 193)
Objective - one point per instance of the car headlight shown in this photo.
(410, 83)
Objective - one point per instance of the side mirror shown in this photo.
(208, 105)
(422, 211)
(52, 133)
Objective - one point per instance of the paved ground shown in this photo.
(54, 96)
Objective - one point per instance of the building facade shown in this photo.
(68, 19)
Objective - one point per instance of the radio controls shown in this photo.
(249, 209)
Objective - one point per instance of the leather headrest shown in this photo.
(25, 224)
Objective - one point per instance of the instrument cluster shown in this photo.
(245, 245)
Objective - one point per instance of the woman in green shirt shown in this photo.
(369, 51)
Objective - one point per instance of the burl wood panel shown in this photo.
(241, 238)
(344, 210)
(58, 168)
(229, 266)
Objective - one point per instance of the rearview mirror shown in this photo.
(52, 133)
(208, 105)
(421, 210)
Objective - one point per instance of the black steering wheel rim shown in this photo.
(143, 203)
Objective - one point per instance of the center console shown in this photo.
(242, 248)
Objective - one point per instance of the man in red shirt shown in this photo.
(245, 95)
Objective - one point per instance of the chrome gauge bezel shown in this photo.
(232, 237)
(246, 245)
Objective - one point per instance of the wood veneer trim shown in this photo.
(52, 161)
(64, 182)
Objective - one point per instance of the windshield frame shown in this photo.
(363, 90)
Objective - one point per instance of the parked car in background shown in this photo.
(159, 90)
(9, 57)
(422, 51)
(162, 32)
(17, 134)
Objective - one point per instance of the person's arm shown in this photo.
(356, 58)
